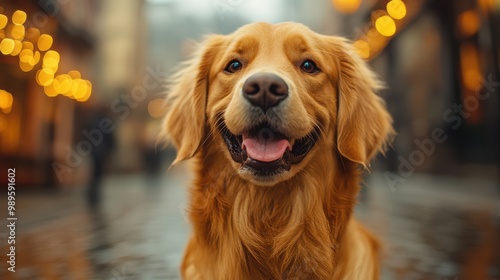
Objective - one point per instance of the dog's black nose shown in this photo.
(265, 90)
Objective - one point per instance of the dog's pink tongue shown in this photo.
(265, 150)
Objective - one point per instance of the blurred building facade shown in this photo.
(37, 128)
(99, 47)
(440, 60)
(121, 69)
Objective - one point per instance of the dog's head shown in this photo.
(271, 98)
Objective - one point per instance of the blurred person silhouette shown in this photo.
(152, 158)
(101, 130)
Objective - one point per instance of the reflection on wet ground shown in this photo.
(139, 232)
(432, 228)
(436, 228)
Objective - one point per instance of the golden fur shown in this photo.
(300, 224)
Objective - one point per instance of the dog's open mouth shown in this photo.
(266, 151)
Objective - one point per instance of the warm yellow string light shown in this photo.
(31, 47)
(6, 101)
(44, 42)
(7, 46)
(346, 6)
(362, 47)
(3, 21)
(385, 25)
(19, 17)
(396, 9)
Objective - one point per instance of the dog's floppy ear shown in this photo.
(184, 124)
(364, 126)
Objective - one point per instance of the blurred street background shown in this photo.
(81, 102)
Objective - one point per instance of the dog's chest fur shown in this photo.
(283, 232)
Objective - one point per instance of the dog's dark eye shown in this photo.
(309, 66)
(233, 66)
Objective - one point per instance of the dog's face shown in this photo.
(270, 98)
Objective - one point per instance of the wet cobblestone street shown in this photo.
(139, 232)
(431, 227)
(436, 227)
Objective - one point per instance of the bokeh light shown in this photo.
(396, 9)
(74, 74)
(88, 92)
(17, 32)
(51, 60)
(19, 17)
(7, 46)
(346, 6)
(35, 59)
(44, 76)
(362, 48)
(25, 66)
(64, 83)
(26, 55)
(3, 21)
(18, 46)
(18, 41)
(6, 100)
(52, 90)
(468, 23)
(81, 90)
(44, 42)
(470, 66)
(385, 25)
(28, 46)
(78, 88)
(156, 108)
(32, 34)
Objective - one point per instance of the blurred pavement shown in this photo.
(442, 229)
(139, 232)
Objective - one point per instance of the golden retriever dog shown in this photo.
(279, 123)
